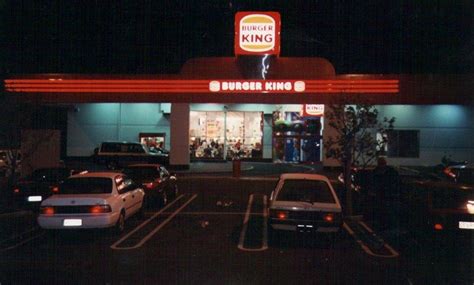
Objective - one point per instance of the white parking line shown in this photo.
(245, 226)
(159, 227)
(365, 247)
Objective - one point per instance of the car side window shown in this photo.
(164, 173)
(120, 182)
(135, 148)
(110, 147)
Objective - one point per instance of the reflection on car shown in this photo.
(42, 183)
(463, 173)
(305, 203)
(158, 183)
(92, 200)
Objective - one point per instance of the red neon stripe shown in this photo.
(113, 81)
(121, 90)
(178, 81)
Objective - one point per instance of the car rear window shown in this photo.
(313, 191)
(137, 173)
(451, 199)
(86, 185)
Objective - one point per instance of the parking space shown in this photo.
(207, 235)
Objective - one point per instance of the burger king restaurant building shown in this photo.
(256, 105)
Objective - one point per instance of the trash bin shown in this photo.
(236, 167)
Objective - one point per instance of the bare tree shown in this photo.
(18, 116)
(355, 143)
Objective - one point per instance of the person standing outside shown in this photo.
(386, 182)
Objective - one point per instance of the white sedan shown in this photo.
(92, 200)
(305, 203)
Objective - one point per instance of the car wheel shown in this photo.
(174, 192)
(141, 211)
(120, 225)
(273, 235)
(112, 164)
(163, 199)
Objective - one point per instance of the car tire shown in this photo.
(163, 199)
(174, 192)
(141, 211)
(120, 225)
(273, 235)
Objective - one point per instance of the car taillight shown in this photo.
(16, 190)
(47, 210)
(54, 189)
(329, 217)
(99, 209)
(438, 227)
(278, 214)
(148, 185)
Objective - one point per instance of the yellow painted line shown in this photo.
(145, 222)
(363, 246)
(245, 227)
(386, 245)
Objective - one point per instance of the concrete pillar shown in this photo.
(179, 133)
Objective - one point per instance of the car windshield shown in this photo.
(137, 173)
(86, 185)
(464, 175)
(305, 190)
(50, 174)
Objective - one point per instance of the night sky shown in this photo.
(149, 37)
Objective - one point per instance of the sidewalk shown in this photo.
(248, 168)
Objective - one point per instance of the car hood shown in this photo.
(305, 206)
(76, 199)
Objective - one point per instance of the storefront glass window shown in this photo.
(242, 136)
(296, 138)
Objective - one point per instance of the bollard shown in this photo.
(236, 167)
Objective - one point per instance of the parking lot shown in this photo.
(215, 233)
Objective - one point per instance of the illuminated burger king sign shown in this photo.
(257, 33)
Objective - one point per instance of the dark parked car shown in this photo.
(427, 204)
(42, 183)
(441, 207)
(159, 185)
(116, 155)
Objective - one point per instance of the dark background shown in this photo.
(138, 36)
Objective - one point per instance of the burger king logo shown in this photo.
(257, 33)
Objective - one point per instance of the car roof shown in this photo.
(97, 174)
(304, 176)
(144, 165)
(120, 142)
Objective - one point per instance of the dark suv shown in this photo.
(120, 154)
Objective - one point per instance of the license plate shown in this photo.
(466, 225)
(72, 222)
(35, 198)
